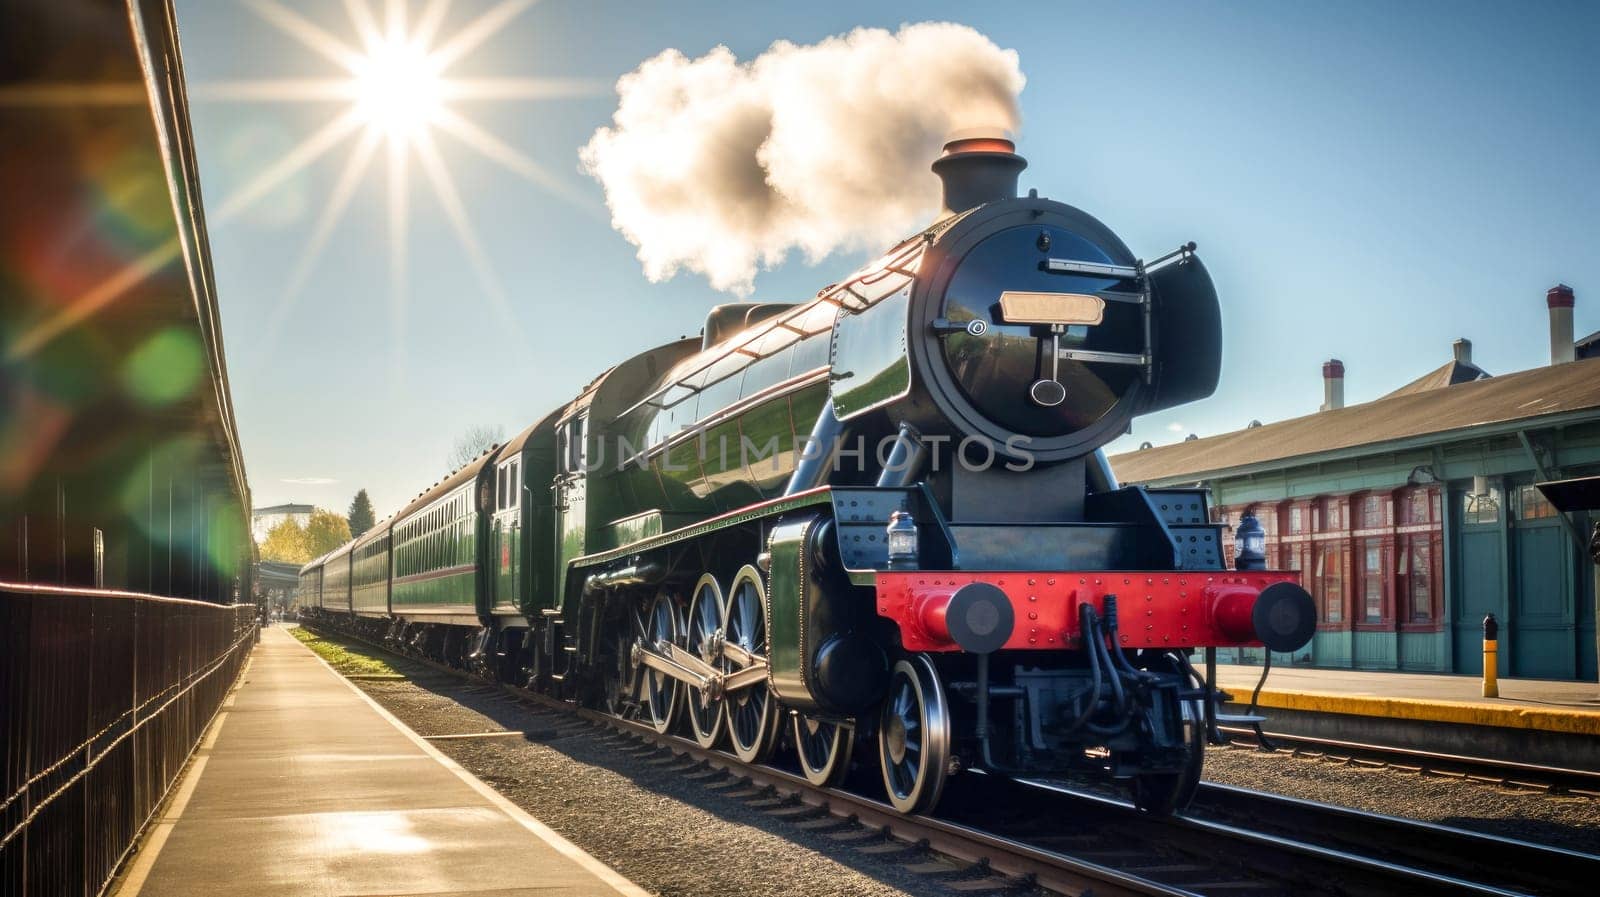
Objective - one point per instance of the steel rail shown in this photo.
(1341, 869)
(1507, 772)
(1516, 864)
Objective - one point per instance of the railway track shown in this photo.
(1485, 770)
(998, 835)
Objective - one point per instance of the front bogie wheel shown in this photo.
(914, 736)
(1165, 793)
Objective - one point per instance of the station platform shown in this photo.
(1539, 721)
(305, 786)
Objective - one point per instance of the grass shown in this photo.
(349, 658)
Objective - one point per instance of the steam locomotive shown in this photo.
(880, 517)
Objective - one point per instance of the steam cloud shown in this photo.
(723, 167)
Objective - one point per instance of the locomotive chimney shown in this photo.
(978, 168)
(1560, 298)
(1332, 385)
(1463, 349)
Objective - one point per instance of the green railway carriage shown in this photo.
(756, 534)
(369, 572)
(336, 580)
(437, 546)
(521, 510)
(308, 593)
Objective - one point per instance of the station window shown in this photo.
(1479, 509)
(1372, 581)
(1329, 580)
(1374, 511)
(1293, 557)
(1420, 583)
(1417, 585)
(1532, 505)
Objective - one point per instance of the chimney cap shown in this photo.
(1559, 296)
(978, 167)
(979, 140)
(1332, 368)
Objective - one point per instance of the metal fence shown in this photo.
(103, 695)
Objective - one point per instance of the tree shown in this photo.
(325, 532)
(360, 515)
(286, 543)
(472, 443)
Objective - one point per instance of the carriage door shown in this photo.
(505, 543)
(570, 496)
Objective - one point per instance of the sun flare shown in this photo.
(398, 87)
(396, 103)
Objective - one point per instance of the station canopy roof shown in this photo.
(1398, 421)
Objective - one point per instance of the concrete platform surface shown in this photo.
(1540, 704)
(304, 786)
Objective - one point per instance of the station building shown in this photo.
(1413, 515)
(262, 520)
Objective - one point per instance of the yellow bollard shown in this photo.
(1491, 657)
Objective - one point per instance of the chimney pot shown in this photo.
(1332, 385)
(1463, 349)
(977, 169)
(1560, 299)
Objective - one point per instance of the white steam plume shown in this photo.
(723, 167)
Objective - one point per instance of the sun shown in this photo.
(398, 87)
(396, 102)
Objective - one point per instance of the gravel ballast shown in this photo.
(635, 812)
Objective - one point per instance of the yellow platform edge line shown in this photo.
(1575, 721)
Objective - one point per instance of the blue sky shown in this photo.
(1365, 180)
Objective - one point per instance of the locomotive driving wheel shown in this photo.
(658, 691)
(703, 638)
(914, 736)
(824, 749)
(751, 709)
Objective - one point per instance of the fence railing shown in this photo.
(103, 696)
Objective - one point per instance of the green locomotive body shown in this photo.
(879, 515)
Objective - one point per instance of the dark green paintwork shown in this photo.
(435, 556)
(786, 587)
